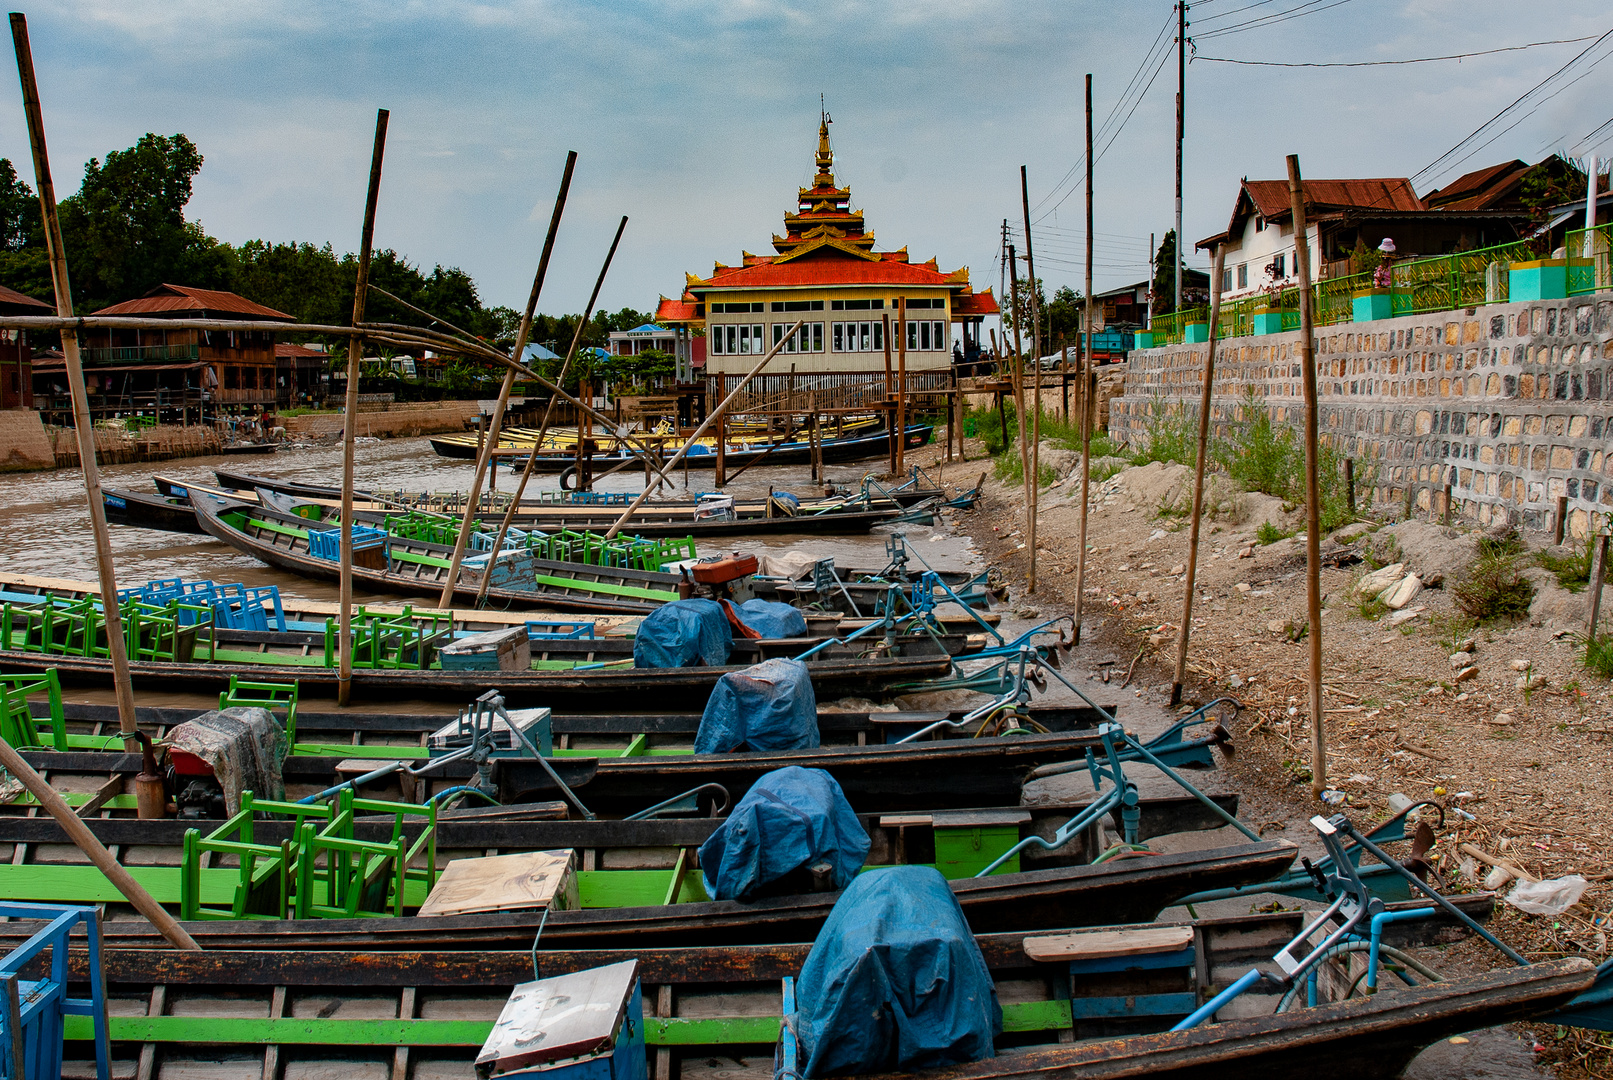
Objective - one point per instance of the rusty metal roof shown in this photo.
(12, 298)
(182, 300)
(1482, 189)
(1271, 199)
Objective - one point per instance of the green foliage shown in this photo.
(1011, 471)
(1371, 608)
(1270, 534)
(1494, 589)
(1061, 319)
(1551, 183)
(1172, 433)
(1269, 457)
(1500, 545)
(637, 371)
(125, 232)
(1598, 654)
(1574, 569)
(1165, 275)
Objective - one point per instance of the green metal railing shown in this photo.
(1589, 268)
(1462, 279)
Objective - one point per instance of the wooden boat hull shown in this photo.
(956, 773)
(716, 1009)
(290, 553)
(166, 513)
(856, 448)
(1131, 890)
(677, 689)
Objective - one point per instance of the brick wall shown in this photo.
(1509, 404)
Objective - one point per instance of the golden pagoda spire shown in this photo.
(826, 156)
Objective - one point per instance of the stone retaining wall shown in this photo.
(24, 446)
(1509, 404)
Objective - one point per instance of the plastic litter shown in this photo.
(1551, 897)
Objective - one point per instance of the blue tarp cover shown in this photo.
(767, 706)
(681, 633)
(895, 981)
(791, 817)
(772, 619)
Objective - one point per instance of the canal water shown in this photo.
(45, 528)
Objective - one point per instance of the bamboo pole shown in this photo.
(901, 385)
(1086, 395)
(520, 348)
(355, 357)
(80, 834)
(1198, 477)
(1313, 499)
(890, 388)
(498, 417)
(1019, 387)
(719, 412)
(1036, 350)
(83, 426)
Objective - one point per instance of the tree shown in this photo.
(20, 224)
(125, 231)
(1023, 317)
(1165, 264)
(1061, 321)
(1555, 181)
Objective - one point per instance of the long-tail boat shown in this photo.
(841, 521)
(703, 455)
(716, 1011)
(166, 513)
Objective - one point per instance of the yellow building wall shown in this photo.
(828, 360)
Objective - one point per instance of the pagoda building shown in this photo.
(825, 273)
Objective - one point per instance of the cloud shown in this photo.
(698, 120)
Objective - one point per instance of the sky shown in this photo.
(699, 120)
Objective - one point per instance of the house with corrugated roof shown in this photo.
(16, 358)
(826, 274)
(1343, 217)
(181, 376)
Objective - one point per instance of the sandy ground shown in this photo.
(1522, 775)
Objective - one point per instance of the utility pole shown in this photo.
(1181, 106)
(1149, 263)
(1002, 285)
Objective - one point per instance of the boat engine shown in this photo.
(725, 577)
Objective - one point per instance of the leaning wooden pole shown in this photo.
(1085, 365)
(1313, 496)
(901, 385)
(1036, 365)
(520, 347)
(716, 414)
(1019, 385)
(1198, 477)
(83, 426)
(355, 363)
(80, 834)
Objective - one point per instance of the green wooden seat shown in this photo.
(273, 696)
(339, 877)
(389, 641)
(266, 871)
(18, 726)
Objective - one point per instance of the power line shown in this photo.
(1394, 63)
(1431, 166)
(1307, 8)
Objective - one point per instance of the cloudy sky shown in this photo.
(698, 120)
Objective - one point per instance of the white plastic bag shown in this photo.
(1551, 897)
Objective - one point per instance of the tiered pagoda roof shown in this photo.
(825, 243)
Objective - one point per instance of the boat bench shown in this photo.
(1095, 955)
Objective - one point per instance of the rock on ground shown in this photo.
(1429, 550)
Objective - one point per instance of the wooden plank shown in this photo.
(562, 1017)
(113, 786)
(527, 881)
(900, 821)
(1103, 944)
(971, 819)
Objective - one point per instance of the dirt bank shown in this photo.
(1523, 774)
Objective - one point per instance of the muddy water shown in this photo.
(45, 529)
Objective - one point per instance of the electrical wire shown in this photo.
(1307, 8)
(1429, 169)
(1393, 63)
